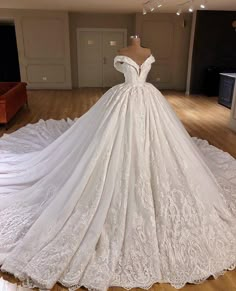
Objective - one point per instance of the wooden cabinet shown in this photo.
(226, 90)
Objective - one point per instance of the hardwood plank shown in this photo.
(202, 116)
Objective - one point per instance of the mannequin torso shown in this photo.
(135, 51)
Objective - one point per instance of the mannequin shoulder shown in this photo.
(123, 51)
(147, 52)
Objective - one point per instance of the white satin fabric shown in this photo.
(121, 196)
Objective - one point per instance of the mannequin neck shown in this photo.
(135, 42)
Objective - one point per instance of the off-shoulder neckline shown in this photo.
(139, 66)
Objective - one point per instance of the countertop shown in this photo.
(232, 75)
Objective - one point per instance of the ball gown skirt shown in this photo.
(121, 196)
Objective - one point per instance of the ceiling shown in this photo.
(111, 6)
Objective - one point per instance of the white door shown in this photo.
(89, 59)
(96, 52)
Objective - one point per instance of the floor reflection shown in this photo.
(7, 286)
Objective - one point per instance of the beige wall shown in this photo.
(168, 36)
(90, 20)
(47, 44)
(43, 47)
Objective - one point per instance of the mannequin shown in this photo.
(135, 51)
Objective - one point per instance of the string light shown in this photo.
(151, 5)
(188, 5)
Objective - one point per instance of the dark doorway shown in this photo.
(9, 62)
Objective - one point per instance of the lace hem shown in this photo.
(29, 283)
(155, 281)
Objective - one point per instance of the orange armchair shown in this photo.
(13, 96)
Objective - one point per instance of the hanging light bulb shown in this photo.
(190, 9)
(179, 12)
(159, 4)
(150, 6)
(144, 11)
(203, 4)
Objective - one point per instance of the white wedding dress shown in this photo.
(121, 196)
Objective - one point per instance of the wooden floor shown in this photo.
(202, 116)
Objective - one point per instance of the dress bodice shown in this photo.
(133, 73)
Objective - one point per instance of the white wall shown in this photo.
(43, 47)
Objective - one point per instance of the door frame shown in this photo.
(79, 30)
(12, 20)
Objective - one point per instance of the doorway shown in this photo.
(96, 49)
(9, 68)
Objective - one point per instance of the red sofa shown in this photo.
(13, 96)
